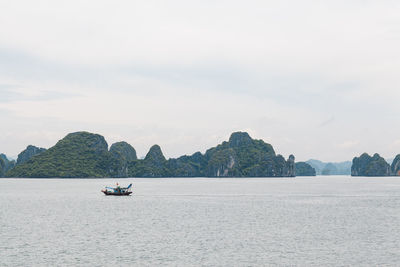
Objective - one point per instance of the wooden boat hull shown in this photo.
(108, 193)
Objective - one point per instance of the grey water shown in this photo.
(310, 221)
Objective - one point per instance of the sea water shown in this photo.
(310, 221)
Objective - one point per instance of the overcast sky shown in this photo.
(317, 79)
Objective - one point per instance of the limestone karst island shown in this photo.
(84, 155)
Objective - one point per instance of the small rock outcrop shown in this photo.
(365, 165)
(153, 165)
(28, 153)
(155, 156)
(304, 169)
(239, 139)
(290, 169)
(122, 153)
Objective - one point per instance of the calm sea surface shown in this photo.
(331, 221)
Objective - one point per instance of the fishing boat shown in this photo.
(117, 191)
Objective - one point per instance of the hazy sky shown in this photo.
(319, 79)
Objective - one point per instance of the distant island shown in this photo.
(5, 164)
(84, 154)
(304, 169)
(365, 165)
(330, 168)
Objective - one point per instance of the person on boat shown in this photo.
(118, 189)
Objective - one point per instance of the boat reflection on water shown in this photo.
(117, 191)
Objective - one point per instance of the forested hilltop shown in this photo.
(84, 154)
(365, 165)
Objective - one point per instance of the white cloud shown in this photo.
(349, 144)
(185, 74)
(396, 142)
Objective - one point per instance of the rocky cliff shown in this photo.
(121, 153)
(2, 166)
(3, 157)
(290, 169)
(8, 164)
(395, 168)
(187, 166)
(153, 165)
(243, 156)
(124, 151)
(365, 165)
(28, 153)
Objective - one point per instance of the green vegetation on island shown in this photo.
(365, 165)
(79, 154)
(2, 166)
(304, 169)
(153, 165)
(395, 168)
(6, 164)
(28, 153)
(243, 156)
(84, 154)
(122, 154)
